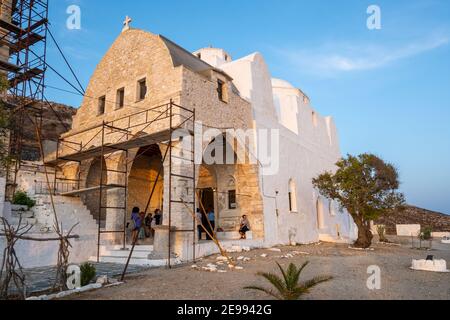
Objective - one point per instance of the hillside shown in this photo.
(412, 215)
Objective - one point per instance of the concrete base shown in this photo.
(430, 265)
(180, 244)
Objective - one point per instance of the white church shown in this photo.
(142, 70)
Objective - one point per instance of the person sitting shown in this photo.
(158, 217)
(244, 227)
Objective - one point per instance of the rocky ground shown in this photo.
(347, 266)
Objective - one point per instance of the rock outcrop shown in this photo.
(438, 222)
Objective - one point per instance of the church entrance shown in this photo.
(143, 180)
(207, 204)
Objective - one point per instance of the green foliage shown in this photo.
(366, 187)
(21, 198)
(289, 286)
(88, 273)
(426, 234)
(381, 230)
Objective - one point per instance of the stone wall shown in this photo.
(5, 14)
(134, 55)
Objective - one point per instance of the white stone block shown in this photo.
(430, 265)
(408, 230)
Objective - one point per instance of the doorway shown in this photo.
(207, 202)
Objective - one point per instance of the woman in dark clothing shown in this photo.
(245, 227)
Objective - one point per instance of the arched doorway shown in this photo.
(320, 217)
(91, 199)
(142, 178)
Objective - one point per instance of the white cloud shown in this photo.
(331, 59)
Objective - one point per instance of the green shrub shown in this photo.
(381, 230)
(426, 234)
(88, 273)
(21, 198)
(289, 286)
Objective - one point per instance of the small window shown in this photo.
(120, 98)
(331, 208)
(222, 91)
(142, 89)
(101, 105)
(199, 55)
(232, 204)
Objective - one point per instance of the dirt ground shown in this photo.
(348, 267)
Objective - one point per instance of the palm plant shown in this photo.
(289, 287)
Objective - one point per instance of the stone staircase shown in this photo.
(141, 256)
(71, 211)
(22, 215)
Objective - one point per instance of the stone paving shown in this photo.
(42, 279)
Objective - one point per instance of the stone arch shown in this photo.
(94, 179)
(246, 185)
(142, 176)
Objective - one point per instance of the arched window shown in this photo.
(332, 208)
(320, 217)
(232, 199)
(292, 196)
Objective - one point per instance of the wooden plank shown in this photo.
(9, 66)
(86, 190)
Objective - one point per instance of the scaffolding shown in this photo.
(23, 33)
(159, 125)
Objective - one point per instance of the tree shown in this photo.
(289, 287)
(366, 187)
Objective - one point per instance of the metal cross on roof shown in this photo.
(126, 23)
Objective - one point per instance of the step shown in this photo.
(125, 254)
(23, 214)
(30, 221)
(146, 248)
(135, 261)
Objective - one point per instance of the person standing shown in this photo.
(136, 224)
(212, 220)
(142, 228)
(148, 225)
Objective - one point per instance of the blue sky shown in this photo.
(388, 89)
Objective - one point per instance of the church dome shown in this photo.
(279, 83)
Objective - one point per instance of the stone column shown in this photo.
(115, 198)
(181, 217)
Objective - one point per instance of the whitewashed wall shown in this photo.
(309, 145)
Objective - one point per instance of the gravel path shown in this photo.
(347, 266)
